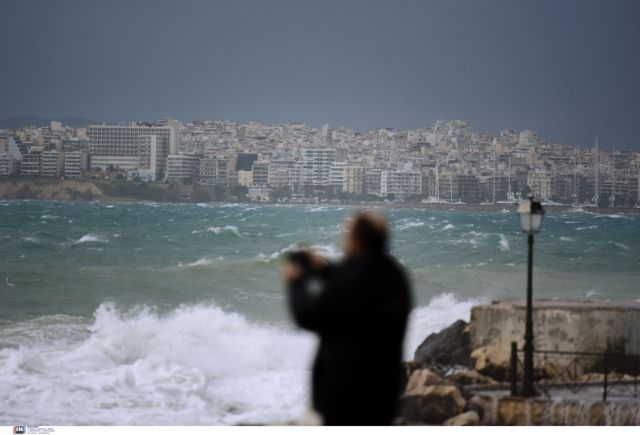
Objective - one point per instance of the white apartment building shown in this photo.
(51, 163)
(75, 163)
(336, 174)
(316, 165)
(30, 164)
(126, 146)
(401, 183)
(7, 164)
(182, 168)
(540, 184)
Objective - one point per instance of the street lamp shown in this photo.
(531, 214)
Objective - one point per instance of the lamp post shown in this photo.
(531, 214)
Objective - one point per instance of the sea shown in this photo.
(153, 314)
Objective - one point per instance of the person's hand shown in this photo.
(318, 262)
(290, 272)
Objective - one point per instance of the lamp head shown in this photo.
(531, 213)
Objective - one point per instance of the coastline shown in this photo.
(92, 190)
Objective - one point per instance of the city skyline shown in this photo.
(564, 68)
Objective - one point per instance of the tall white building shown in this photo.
(401, 183)
(126, 146)
(316, 165)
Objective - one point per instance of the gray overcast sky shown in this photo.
(568, 69)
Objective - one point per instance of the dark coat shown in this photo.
(360, 315)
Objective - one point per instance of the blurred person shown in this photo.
(359, 309)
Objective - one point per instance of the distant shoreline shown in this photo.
(88, 190)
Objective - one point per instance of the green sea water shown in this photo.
(145, 313)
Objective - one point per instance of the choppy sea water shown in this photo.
(144, 313)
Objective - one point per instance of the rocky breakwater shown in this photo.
(64, 190)
(460, 375)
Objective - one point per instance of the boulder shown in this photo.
(470, 377)
(492, 361)
(449, 347)
(424, 378)
(432, 404)
(406, 370)
(469, 418)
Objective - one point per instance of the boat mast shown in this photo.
(613, 176)
(596, 196)
(510, 194)
(437, 182)
(494, 171)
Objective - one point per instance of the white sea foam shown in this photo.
(503, 244)
(448, 227)
(232, 229)
(195, 365)
(590, 227)
(405, 224)
(566, 239)
(441, 311)
(90, 238)
(622, 246)
(328, 251)
(204, 261)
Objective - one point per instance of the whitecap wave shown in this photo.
(406, 224)
(230, 229)
(195, 365)
(503, 244)
(440, 312)
(327, 251)
(448, 227)
(90, 238)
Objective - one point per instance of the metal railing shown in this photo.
(576, 371)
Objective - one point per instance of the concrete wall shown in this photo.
(559, 325)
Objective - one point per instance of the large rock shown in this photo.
(469, 418)
(470, 377)
(449, 347)
(492, 361)
(433, 404)
(424, 378)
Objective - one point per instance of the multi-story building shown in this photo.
(126, 146)
(260, 174)
(372, 179)
(401, 183)
(51, 163)
(353, 181)
(75, 163)
(540, 184)
(6, 164)
(316, 165)
(208, 166)
(468, 188)
(30, 164)
(182, 168)
(282, 173)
